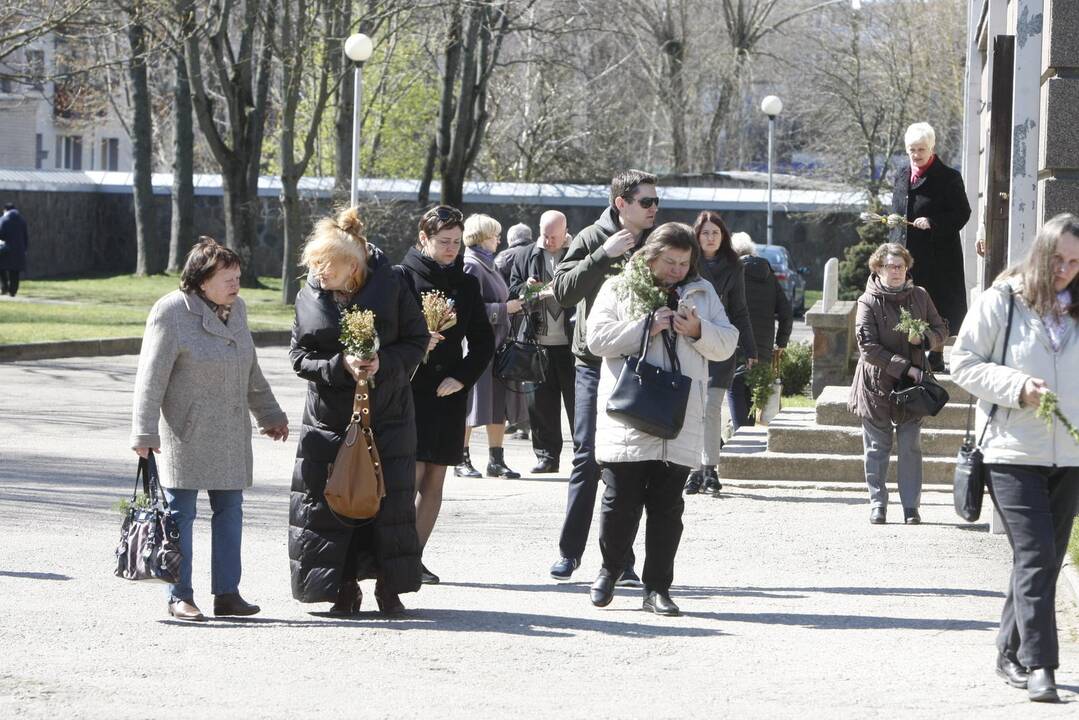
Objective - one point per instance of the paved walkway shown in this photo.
(794, 605)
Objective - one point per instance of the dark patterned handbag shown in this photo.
(149, 546)
(649, 398)
(521, 360)
(968, 484)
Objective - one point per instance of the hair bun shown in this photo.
(349, 221)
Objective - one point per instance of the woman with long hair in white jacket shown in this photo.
(1032, 465)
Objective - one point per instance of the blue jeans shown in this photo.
(227, 527)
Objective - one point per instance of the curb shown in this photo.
(109, 346)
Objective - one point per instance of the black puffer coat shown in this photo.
(767, 303)
(318, 540)
(727, 278)
(938, 252)
(440, 421)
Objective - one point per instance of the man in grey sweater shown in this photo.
(597, 253)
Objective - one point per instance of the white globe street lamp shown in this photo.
(771, 106)
(358, 49)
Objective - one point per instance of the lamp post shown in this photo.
(358, 49)
(771, 106)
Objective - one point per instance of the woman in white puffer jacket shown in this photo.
(1033, 469)
(641, 471)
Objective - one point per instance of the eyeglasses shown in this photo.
(895, 268)
(645, 202)
(444, 213)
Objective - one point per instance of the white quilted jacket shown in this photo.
(1016, 436)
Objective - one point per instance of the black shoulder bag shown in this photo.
(916, 400)
(149, 546)
(521, 361)
(968, 486)
(649, 398)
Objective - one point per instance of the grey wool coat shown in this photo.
(197, 386)
(487, 398)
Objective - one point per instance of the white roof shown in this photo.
(784, 200)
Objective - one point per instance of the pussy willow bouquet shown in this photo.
(891, 220)
(638, 288)
(912, 326)
(531, 292)
(1049, 409)
(438, 312)
(358, 334)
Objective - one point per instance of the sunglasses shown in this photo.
(645, 202)
(444, 214)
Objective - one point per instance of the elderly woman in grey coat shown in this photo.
(889, 358)
(487, 398)
(199, 374)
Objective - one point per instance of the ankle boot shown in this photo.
(465, 469)
(496, 466)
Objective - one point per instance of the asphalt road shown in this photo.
(794, 606)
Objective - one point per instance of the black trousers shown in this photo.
(584, 477)
(656, 488)
(1038, 505)
(9, 282)
(545, 403)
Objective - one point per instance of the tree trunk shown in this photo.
(183, 159)
(290, 256)
(424, 196)
(148, 256)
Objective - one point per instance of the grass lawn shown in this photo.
(117, 306)
(798, 401)
(813, 296)
(1073, 546)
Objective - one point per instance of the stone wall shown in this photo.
(1058, 188)
(81, 233)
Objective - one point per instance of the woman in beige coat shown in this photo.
(642, 472)
(198, 372)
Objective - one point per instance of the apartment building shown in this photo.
(49, 122)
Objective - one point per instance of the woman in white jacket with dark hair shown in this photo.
(642, 471)
(1033, 469)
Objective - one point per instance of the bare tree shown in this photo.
(182, 230)
(235, 35)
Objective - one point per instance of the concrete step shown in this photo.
(832, 410)
(795, 431)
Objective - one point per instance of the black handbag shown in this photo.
(649, 398)
(920, 399)
(521, 361)
(149, 546)
(968, 484)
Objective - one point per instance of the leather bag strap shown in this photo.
(1003, 356)
(361, 403)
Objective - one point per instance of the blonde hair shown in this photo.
(479, 227)
(336, 240)
(876, 260)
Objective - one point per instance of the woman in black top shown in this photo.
(440, 385)
(720, 265)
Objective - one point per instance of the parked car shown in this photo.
(791, 279)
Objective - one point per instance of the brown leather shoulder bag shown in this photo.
(354, 487)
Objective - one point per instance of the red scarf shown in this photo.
(917, 173)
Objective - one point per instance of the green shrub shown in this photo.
(796, 368)
(854, 267)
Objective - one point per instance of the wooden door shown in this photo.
(997, 199)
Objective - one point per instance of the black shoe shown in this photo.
(878, 516)
(693, 483)
(496, 466)
(1013, 673)
(546, 465)
(427, 577)
(349, 597)
(231, 604)
(465, 469)
(629, 578)
(911, 516)
(563, 569)
(389, 603)
(660, 603)
(602, 591)
(1042, 686)
(712, 486)
(520, 435)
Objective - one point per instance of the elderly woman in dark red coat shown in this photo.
(887, 358)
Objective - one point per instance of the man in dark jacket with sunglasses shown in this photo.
(597, 253)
